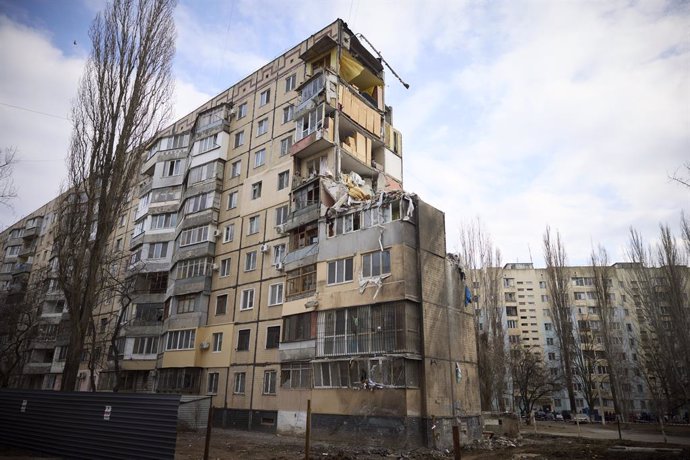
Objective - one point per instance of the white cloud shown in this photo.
(187, 98)
(578, 118)
(34, 75)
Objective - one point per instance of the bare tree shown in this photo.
(7, 162)
(20, 325)
(610, 329)
(678, 177)
(558, 288)
(532, 381)
(586, 361)
(482, 263)
(122, 101)
(659, 286)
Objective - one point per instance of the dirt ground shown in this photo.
(543, 445)
(234, 444)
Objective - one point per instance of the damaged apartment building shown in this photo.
(276, 259)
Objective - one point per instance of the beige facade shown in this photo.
(274, 258)
(527, 321)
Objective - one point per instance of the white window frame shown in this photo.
(207, 143)
(288, 113)
(239, 139)
(240, 383)
(217, 339)
(256, 190)
(172, 168)
(370, 265)
(283, 179)
(262, 127)
(242, 110)
(253, 225)
(290, 82)
(270, 382)
(279, 251)
(282, 214)
(247, 300)
(340, 271)
(212, 386)
(264, 97)
(250, 261)
(260, 158)
(224, 267)
(228, 233)
(276, 294)
(285, 145)
(236, 169)
(232, 200)
(180, 339)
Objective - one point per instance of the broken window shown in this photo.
(305, 197)
(309, 123)
(367, 373)
(304, 236)
(295, 375)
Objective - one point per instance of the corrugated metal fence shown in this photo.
(84, 425)
(193, 412)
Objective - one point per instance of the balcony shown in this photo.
(31, 233)
(27, 251)
(20, 268)
(316, 141)
(37, 368)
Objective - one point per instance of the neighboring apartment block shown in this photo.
(275, 258)
(527, 320)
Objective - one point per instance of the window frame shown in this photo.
(283, 179)
(264, 97)
(270, 382)
(273, 298)
(217, 342)
(247, 299)
(241, 342)
(224, 310)
(340, 267)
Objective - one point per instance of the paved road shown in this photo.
(595, 431)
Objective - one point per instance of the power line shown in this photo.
(35, 111)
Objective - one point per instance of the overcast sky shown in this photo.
(520, 113)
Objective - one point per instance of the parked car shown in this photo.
(581, 418)
(540, 415)
(550, 417)
(566, 415)
(559, 418)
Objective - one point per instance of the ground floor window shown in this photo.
(182, 380)
(369, 373)
(295, 375)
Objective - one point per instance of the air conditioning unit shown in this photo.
(279, 266)
(204, 345)
(216, 233)
(265, 248)
(215, 267)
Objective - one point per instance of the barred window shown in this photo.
(368, 329)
